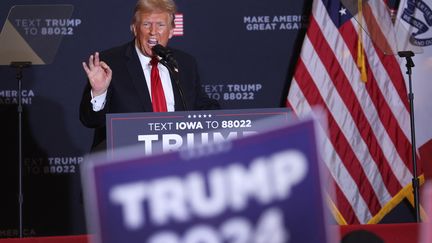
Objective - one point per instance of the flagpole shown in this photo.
(415, 181)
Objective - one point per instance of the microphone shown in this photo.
(167, 59)
(166, 55)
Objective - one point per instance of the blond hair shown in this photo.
(148, 6)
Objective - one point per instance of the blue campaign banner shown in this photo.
(222, 192)
(174, 130)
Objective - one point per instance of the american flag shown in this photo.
(367, 150)
(178, 21)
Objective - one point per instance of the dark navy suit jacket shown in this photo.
(128, 90)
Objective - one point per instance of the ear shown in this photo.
(171, 33)
(133, 29)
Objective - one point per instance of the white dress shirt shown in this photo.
(98, 102)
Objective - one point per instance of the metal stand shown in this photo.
(415, 181)
(20, 66)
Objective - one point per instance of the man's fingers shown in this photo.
(86, 68)
(90, 62)
(96, 59)
(97, 71)
(109, 72)
(106, 68)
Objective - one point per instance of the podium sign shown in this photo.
(260, 188)
(169, 131)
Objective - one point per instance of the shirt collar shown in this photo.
(144, 59)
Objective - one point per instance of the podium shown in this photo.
(168, 131)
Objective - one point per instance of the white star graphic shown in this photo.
(342, 11)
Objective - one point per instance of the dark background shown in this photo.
(54, 141)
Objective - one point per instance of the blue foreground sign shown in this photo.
(261, 188)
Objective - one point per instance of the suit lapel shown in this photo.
(136, 73)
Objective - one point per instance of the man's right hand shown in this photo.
(99, 74)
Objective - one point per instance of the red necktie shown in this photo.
(158, 96)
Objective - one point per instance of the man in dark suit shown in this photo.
(121, 78)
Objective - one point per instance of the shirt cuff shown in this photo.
(98, 102)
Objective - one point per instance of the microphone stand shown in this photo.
(20, 66)
(415, 181)
(173, 70)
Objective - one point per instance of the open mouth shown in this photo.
(152, 42)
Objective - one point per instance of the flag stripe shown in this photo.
(178, 22)
(341, 113)
(373, 153)
(395, 138)
(395, 74)
(373, 29)
(339, 174)
(367, 145)
(338, 141)
(378, 128)
(387, 62)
